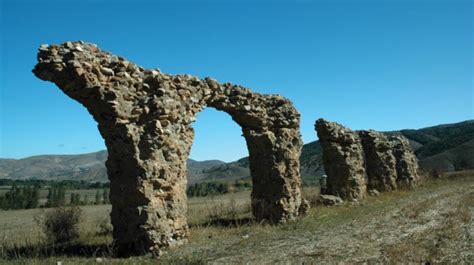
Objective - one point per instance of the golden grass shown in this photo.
(221, 226)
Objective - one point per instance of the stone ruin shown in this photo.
(407, 163)
(343, 159)
(365, 160)
(145, 117)
(380, 162)
(390, 161)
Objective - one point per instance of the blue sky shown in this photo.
(383, 65)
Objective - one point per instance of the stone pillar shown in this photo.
(274, 159)
(406, 162)
(270, 125)
(343, 160)
(379, 161)
(145, 117)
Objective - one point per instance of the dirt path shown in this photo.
(433, 223)
(420, 228)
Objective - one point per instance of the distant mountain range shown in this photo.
(447, 147)
(87, 167)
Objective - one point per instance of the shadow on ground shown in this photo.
(47, 251)
(97, 250)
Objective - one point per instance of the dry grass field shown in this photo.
(433, 223)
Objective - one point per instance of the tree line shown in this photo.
(27, 197)
(214, 188)
(68, 184)
(24, 197)
(25, 194)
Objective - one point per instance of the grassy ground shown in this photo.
(431, 223)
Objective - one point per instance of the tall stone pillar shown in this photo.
(406, 162)
(380, 162)
(343, 160)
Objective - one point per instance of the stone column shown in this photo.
(274, 161)
(145, 124)
(343, 160)
(380, 162)
(406, 162)
(270, 125)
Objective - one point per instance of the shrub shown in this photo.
(104, 227)
(61, 225)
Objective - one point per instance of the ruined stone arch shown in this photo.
(145, 118)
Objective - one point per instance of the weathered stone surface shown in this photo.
(388, 161)
(379, 161)
(406, 162)
(343, 160)
(330, 200)
(145, 117)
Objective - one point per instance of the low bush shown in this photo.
(60, 225)
(104, 227)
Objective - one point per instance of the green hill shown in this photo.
(438, 139)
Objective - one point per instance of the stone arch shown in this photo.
(145, 117)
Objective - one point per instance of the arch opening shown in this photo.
(145, 117)
(218, 166)
(217, 136)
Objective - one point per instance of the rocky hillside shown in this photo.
(88, 167)
(446, 147)
(51, 167)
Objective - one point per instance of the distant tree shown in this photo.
(97, 198)
(72, 199)
(30, 196)
(49, 197)
(56, 196)
(35, 196)
(17, 197)
(207, 188)
(105, 196)
(77, 199)
(61, 195)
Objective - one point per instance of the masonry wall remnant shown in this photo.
(406, 162)
(365, 160)
(343, 159)
(380, 162)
